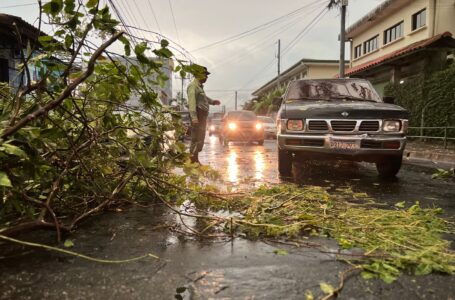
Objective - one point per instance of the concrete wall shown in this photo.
(445, 16)
(445, 21)
(322, 71)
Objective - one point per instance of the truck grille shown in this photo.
(343, 125)
(369, 126)
(317, 125)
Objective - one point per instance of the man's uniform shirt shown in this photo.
(197, 99)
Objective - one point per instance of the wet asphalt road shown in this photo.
(223, 270)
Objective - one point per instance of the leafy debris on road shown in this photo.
(393, 240)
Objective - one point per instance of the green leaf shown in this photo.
(423, 269)
(280, 252)
(140, 49)
(68, 41)
(68, 244)
(14, 150)
(53, 7)
(163, 52)
(326, 288)
(92, 3)
(126, 44)
(309, 295)
(164, 43)
(45, 39)
(400, 204)
(4, 180)
(69, 6)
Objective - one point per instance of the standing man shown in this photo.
(198, 104)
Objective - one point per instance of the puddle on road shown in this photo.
(242, 165)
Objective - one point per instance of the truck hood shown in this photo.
(333, 110)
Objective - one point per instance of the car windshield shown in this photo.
(266, 120)
(357, 90)
(242, 115)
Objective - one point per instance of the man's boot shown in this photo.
(195, 158)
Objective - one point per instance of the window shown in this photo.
(370, 45)
(419, 19)
(358, 51)
(393, 33)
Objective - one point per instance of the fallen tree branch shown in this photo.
(30, 226)
(116, 191)
(50, 210)
(100, 260)
(65, 94)
(343, 277)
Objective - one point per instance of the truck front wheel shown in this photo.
(284, 162)
(389, 166)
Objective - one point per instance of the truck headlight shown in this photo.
(232, 126)
(295, 125)
(391, 126)
(258, 126)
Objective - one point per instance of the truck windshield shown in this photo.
(355, 90)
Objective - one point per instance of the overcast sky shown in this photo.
(244, 64)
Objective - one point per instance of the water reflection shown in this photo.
(233, 167)
(260, 164)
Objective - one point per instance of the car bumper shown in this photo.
(362, 145)
(244, 135)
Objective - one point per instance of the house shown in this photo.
(10, 48)
(305, 68)
(401, 38)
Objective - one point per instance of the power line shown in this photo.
(257, 28)
(129, 14)
(122, 21)
(173, 19)
(305, 30)
(165, 37)
(140, 14)
(154, 15)
(294, 41)
(294, 20)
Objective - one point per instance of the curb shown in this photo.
(438, 159)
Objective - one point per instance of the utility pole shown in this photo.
(344, 4)
(279, 62)
(235, 100)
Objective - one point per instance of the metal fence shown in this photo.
(445, 134)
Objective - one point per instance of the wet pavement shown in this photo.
(239, 269)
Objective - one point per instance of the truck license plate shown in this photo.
(344, 145)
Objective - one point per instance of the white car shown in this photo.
(269, 126)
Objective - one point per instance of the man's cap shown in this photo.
(199, 70)
(206, 71)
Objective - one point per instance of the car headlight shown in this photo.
(212, 127)
(391, 126)
(295, 125)
(258, 126)
(232, 126)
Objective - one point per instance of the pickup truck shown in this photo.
(340, 119)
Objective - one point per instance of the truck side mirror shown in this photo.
(277, 101)
(388, 99)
